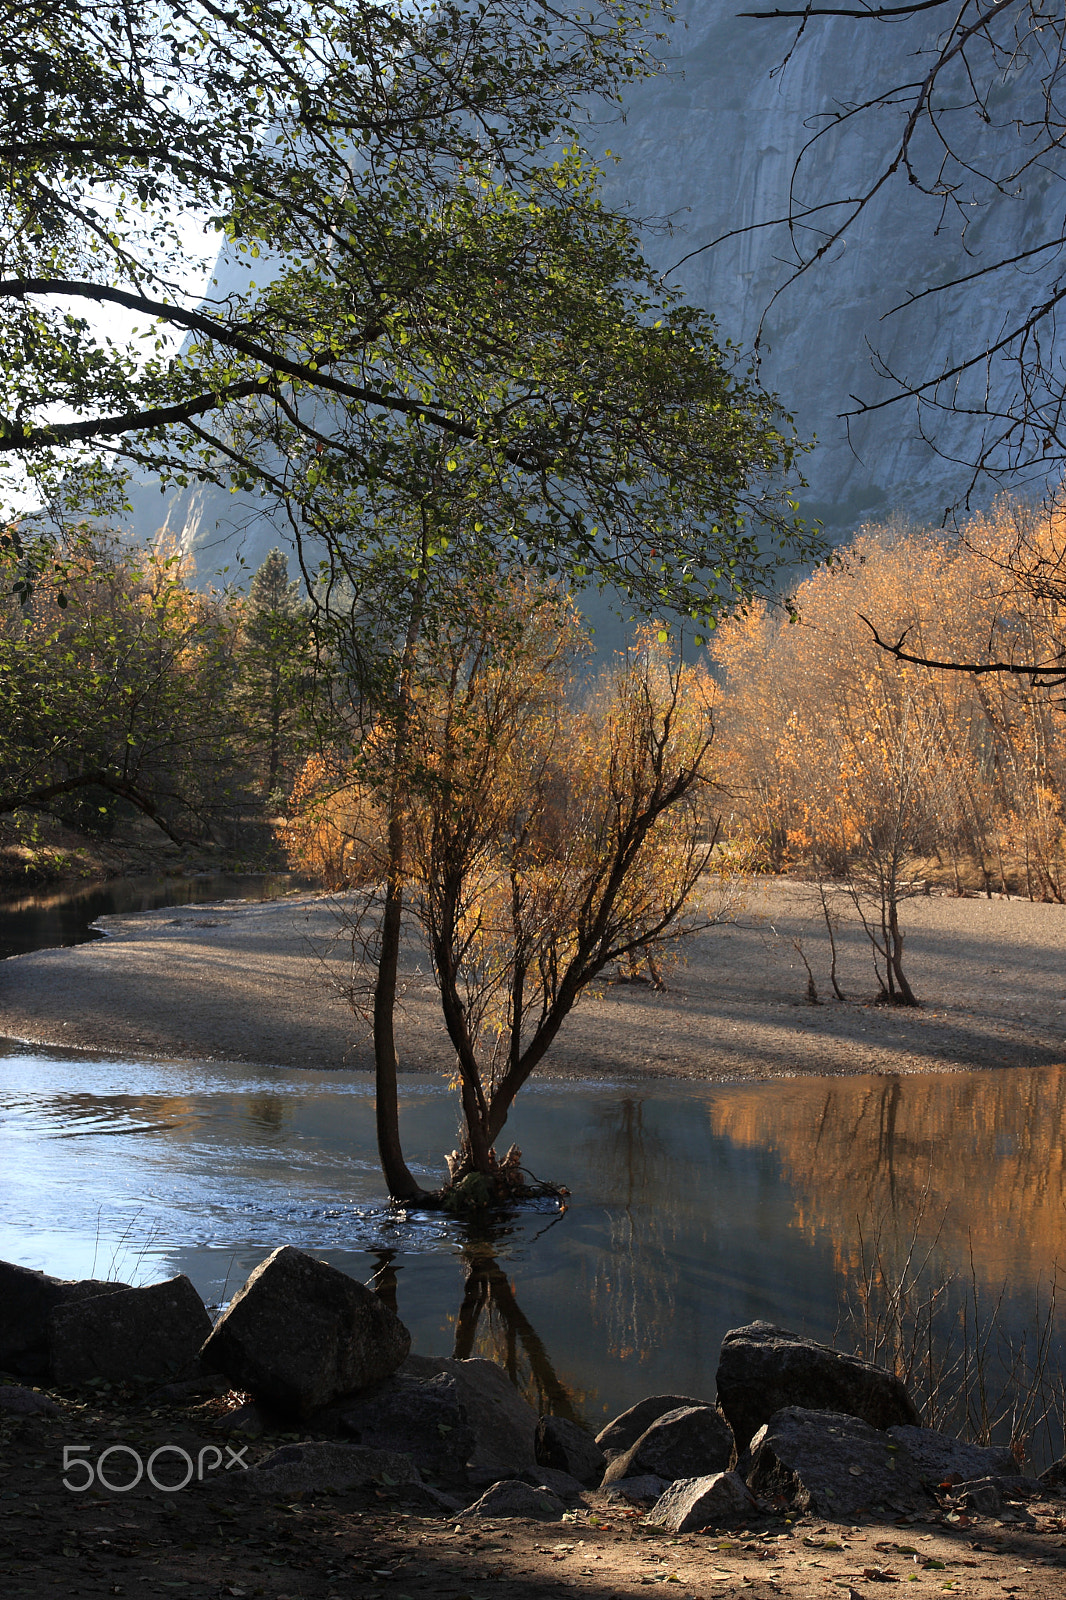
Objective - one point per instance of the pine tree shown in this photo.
(274, 664)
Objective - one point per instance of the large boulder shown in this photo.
(833, 1465)
(692, 1442)
(504, 1426)
(565, 1447)
(27, 1300)
(422, 1418)
(300, 1334)
(763, 1369)
(138, 1335)
(718, 1501)
(560, 1483)
(941, 1459)
(621, 1434)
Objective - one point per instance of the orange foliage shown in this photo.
(833, 751)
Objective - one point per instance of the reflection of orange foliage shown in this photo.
(820, 732)
(981, 1153)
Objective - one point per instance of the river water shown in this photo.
(694, 1208)
(43, 919)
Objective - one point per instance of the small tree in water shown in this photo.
(548, 836)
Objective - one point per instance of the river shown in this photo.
(694, 1207)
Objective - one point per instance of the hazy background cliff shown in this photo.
(708, 148)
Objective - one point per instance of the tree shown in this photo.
(876, 777)
(543, 842)
(274, 656)
(455, 366)
(972, 116)
(115, 678)
(421, 264)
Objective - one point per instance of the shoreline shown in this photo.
(259, 983)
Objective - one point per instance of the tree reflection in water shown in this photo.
(490, 1323)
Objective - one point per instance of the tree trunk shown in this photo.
(400, 1182)
(398, 1179)
(895, 957)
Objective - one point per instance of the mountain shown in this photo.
(709, 148)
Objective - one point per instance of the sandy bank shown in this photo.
(258, 983)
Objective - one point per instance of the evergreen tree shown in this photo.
(274, 663)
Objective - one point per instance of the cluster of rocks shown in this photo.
(794, 1424)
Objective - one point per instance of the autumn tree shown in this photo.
(877, 774)
(545, 840)
(116, 679)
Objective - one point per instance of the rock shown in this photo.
(567, 1448)
(695, 1503)
(983, 1496)
(643, 1491)
(763, 1369)
(940, 1458)
(621, 1434)
(19, 1402)
(147, 1334)
(832, 1465)
(300, 1334)
(315, 1465)
(1054, 1477)
(560, 1483)
(247, 1420)
(206, 1383)
(504, 1426)
(27, 1300)
(987, 1495)
(513, 1498)
(691, 1442)
(425, 1419)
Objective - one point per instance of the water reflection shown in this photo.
(46, 919)
(980, 1155)
(694, 1209)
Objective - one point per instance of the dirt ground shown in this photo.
(216, 1540)
(260, 983)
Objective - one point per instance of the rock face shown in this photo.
(621, 1434)
(692, 1442)
(763, 1369)
(504, 1427)
(423, 1419)
(832, 1465)
(711, 144)
(148, 1334)
(300, 1334)
(27, 1300)
(939, 1458)
(565, 1447)
(694, 1503)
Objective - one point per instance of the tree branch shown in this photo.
(1049, 674)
